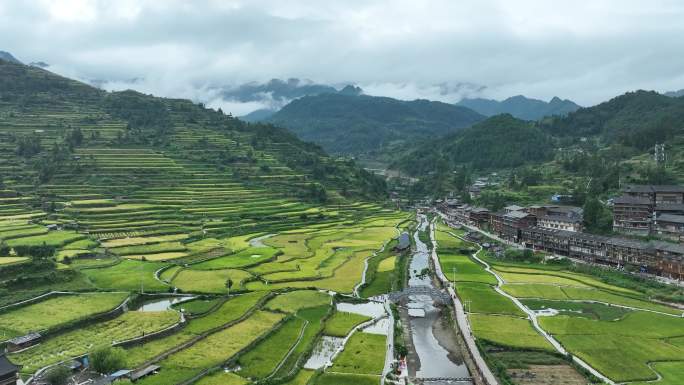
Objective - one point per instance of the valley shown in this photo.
(406, 228)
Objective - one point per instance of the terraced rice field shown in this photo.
(362, 355)
(617, 331)
(80, 341)
(56, 311)
(129, 219)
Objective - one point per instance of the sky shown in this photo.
(585, 50)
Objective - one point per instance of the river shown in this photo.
(433, 338)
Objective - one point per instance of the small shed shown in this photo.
(9, 373)
(23, 342)
(404, 242)
(148, 370)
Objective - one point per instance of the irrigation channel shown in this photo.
(434, 356)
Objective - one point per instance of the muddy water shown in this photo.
(162, 303)
(433, 340)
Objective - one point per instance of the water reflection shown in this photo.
(161, 304)
(323, 352)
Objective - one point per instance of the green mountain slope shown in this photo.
(521, 107)
(345, 123)
(636, 119)
(501, 141)
(110, 162)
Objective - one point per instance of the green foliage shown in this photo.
(500, 141)
(58, 375)
(636, 119)
(597, 218)
(351, 124)
(524, 256)
(107, 359)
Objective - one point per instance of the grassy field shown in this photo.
(265, 357)
(483, 299)
(341, 323)
(231, 310)
(294, 301)
(302, 378)
(213, 350)
(222, 378)
(595, 311)
(209, 281)
(56, 311)
(508, 331)
(74, 343)
(364, 353)
(127, 275)
(671, 372)
(347, 379)
(315, 317)
(12, 260)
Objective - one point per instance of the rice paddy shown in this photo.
(617, 331)
(56, 311)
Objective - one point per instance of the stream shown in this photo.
(433, 339)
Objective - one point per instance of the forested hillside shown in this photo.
(636, 119)
(359, 124)
(587, 153)
(501, 141)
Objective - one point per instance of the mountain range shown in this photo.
(349, 123)
(521, 107)
(622, 128)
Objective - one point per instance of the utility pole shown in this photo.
(453, 270)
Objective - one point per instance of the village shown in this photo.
(650, 217)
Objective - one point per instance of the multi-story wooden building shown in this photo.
(638, 210)
(632, 214)
(560, 217)
(662, 258)
(669, 226)
(514, 222)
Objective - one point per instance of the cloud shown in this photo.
(588, 51)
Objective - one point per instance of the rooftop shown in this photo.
(671, 218)
(6, 366)
(645, 188)
(24, 339)
(626, 199)
(518, 214)
(514, 208)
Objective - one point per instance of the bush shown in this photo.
(4, 250)
(107, 359)
(59, 375)
(526, 255)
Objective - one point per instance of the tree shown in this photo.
(4, 249)
(597, 219)
(229, 284)
(59, 375)
(107, 359)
